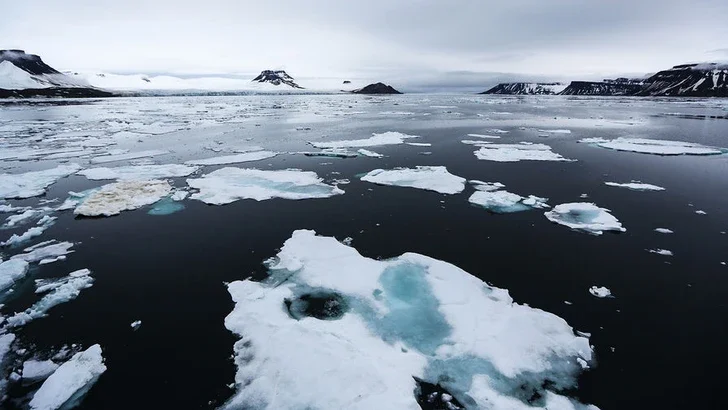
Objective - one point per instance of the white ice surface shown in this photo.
(386, 138)
(584, 216)
(233, 159)
(600, 292)
(31, 233)
(227, 185)
(663, 252)
(636, 186)
(433, 178)
(663, 230)
(517, 152)
(70, 381)
(14, 78)
(49, 249)
(654, 146)
(483, 136)
(131, 155)
(491, 197)
(38, 369)
(21, 218)
(368, 153)
(33, 183)
(410, 316)
(114, 198)
(139, 172)
(11, 271)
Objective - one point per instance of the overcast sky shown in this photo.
(538, 39)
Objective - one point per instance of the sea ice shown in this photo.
(663, 230)
(483, 136)
(433, 178)
(34, 183)
(11, 271)
(556, 131)
(116, 197)
(131, 155)
(490, 197)
(234, 159)
(584, 216)
(331, 153)
(419, 144)
(391, 322)
(600, 292)
(518, 152)
(663, 252)
(136, 324)
(227, 185)
(140, 172)
(386, 138)
(636, 186)
(20, 218)
(367, 153)
(653, 146)
(34, 370)
(31, 233)
(71, 381)
(44, 250)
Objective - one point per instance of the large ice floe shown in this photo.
(12, 271)
(234, 159)
(653, 146)
(227, 185)
(33, 183)
(585, 217)
(71, 381)
(432, 178)
(636, 186)
(491, 197)
(332, 329)
(112, 199)
(517, 152)
(386, 138)
(139, 172)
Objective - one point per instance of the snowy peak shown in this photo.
(527, 88)
(276, 77)
(30, 63)
(690, 80)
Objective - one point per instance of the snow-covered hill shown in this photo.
(527, 88)
(601, 88)
(19, 70)
(689, 80)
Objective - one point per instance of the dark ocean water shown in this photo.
(660, 343)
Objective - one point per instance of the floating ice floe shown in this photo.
(419, 144)
(131, 155)
(663, 252)
(120, 196)
(433, 178)
(44, 250)
(600, 292)
(34, 183)
(234, 159)
(584, 216)
(491, 197)
(59, 291)
(476, 142)
(21, 218)
(367, 153)
(701, 212)
(386, 138)
(139, 172)
(45, 222)
(34, 370)
(12, 271)
(518, 152)
(663, 230)
(392, 323)
(136, 324)
(227, 185)
(331, 153)
(483, 136)
(555, 131)
(71, 381)
(166, 206)
(653, 146)
(498, 131)
(636, 186)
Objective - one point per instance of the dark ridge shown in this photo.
(66, 92)
(522, 88)
(276, 77)
(688, 81)
(378, 88)
(601, 88)
(30, 63)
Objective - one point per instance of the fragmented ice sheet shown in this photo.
(331, 153)
(140, 172)
(21, 218)
(59, 290)
(34, 370)
(600, 292)
(492, 198)
(44, 250)
(518, 152)
(234, 159)
(653, 146)
(386, 138)
(557, 131)
(391, 322)
(131, 155)
(636, 186)
(34, 183)
(12, 271)
(17, 239)
(433, 178)
(584, 216)
(71, 381)
(227, 185)
(114, 198)
(367, 153)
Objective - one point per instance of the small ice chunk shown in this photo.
(11, 271)
(135, 324)
(386, 138)
(68, 384)
(49, 249)
(419, 144)
(636, 186)
(6, 340)
(131, 155)
(234, 159)
(139, 172)
(51, 260)
(227, 185)
(34, 370)
(653, 146)
(518, 152)
(21, 218)
(4, 208)
(34, 183)
(476, 142)
(368, 153)
(116, 197)
(331, 153)
(584, 216)
(500, 201)
(600, 292)
(663, 252)
(433, 178)
(179, 195)
(663, 230)
(498, 131)
(701, 212)
(486, 186)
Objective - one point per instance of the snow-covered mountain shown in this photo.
(276, 77)
(602, 88)
(527, 88)
(689, 80)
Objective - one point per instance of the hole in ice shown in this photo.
(323, 305)
(435, 397)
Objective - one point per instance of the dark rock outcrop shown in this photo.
(377, 88)
(276, 77)
(689, 80)
(601, 88)
(526, 89)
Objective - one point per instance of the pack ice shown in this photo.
(517, 152)
(112, 199)
(34, 183)
(332, 329)
(653, 146)
(585, 217)
(491, 197)
(386, 138)
(139, 172)
(433, 178)
(227, 185)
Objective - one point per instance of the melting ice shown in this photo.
(584, 216)
(518, 152)
(433, 178)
